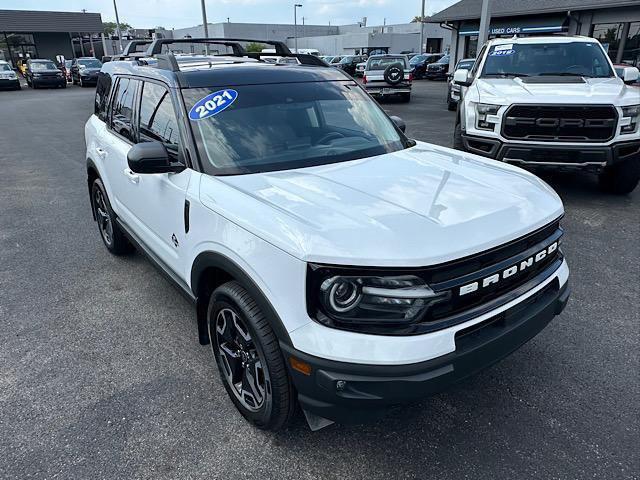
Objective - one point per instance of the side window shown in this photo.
(474, 70)
(103, 88)
(158, 120)
(122, 110)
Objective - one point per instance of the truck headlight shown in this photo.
(345, 299)
(485, 110)
(632, 113)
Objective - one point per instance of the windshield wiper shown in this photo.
(506, 74)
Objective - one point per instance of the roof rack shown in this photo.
(131, 52)
(167, 61)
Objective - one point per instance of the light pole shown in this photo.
(204, 24)
(115, 7)
(295, 26)
(422, 28)
(485, 21)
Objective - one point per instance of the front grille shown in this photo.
(560, 123)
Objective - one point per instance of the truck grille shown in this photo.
(560, 123)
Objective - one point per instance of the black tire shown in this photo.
(457, 137)
(63, 85)
(278, 403)
(452, 106)
(394, 74)
(621, 178)
(112, 236)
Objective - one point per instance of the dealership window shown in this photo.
(471, 46)
(610, 36)
(17, 46)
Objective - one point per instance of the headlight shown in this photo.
(345, 299)
(631, 113)
(484, 110)
(59, 74)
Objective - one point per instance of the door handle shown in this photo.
(101, 151)
(133, 178)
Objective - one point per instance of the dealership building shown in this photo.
(37, 34)
(328, 39)
(615, 23)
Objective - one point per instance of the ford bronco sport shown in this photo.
(333, 262)
(555, 103)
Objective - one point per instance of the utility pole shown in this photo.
(115, 7)
(421, 29)
(485, 21)
(295, 25)
(205, 25)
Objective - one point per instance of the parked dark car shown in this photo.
(420, 62)
(349, 63)
(84, 71)
(453, 90)
(438, 70)
(44, 73)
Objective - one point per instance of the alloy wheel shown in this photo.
(241, 362)
(103, 217)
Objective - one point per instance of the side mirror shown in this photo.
(399, 123)
(151, 157)
(461, 77)
(630, 74)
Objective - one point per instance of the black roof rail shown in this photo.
(156, 47)
(131, 47)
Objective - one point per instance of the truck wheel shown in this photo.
(621, 178)
(249, 359)
(457, 138)
(112, 236)
(451, 106)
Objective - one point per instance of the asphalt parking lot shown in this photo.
(102, 376)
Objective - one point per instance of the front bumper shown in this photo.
(553, 156)
(353, 393)
(92, 78)
(9, 83)
(436, 75)
(49, 82)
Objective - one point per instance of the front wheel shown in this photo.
(457, 137)
(249, 359)
(621, 178)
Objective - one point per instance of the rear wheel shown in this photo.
(249, 359)
(451, 106)
(112, 236)
(621, 178)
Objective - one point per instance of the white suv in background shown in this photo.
(333, 261)
(552, 102)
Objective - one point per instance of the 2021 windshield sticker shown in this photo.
(213, 104)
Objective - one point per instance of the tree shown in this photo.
(109, 28)
(254, 47)
(418, 18)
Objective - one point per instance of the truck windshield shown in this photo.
(91, 63)
(580, 59)
(290, 125)
(4, 67)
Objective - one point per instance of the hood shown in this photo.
(416, 207)
(557, 90)
(47, 71)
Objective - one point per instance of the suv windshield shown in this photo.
(43, 66)
(584, 59)
(444, 59)
(5, 67)
(90, 63)
(347, 59)
(291, 125)
(383, 62)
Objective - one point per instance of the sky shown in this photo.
(187, 13)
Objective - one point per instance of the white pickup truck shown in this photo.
(552, 102)
(388, 75)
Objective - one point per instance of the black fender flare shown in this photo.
(210, 259)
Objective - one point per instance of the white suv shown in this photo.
(333, 262)
(552, 102)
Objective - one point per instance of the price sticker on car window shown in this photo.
(213, 104)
